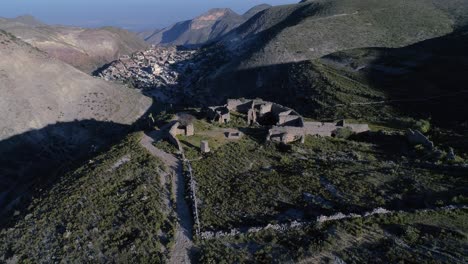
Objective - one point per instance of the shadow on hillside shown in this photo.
(424, 80)
(246, 81)
(430, 79)
(32, 162)
(174, 33)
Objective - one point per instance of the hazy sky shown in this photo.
(132, 14)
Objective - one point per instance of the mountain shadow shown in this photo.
(423, 80)
(30, 163)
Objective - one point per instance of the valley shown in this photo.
(324, 131)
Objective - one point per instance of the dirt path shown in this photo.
(181, 253)
(405, 100)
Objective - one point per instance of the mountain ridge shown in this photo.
(207, 27)
(86, 49)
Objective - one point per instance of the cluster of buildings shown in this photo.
(153, 68)
(285, 124)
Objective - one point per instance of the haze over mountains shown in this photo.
(86, 49)
(207, 27)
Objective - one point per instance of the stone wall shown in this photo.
(177, 129)
(290, 120)
(327, 129)
(288, 134)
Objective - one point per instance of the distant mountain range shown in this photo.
(86, 49)
(207, 27)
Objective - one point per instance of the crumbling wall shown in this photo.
(327, 129)
(265, 108)
(178, 129)
(358, 128)
(175, 130)
(286, 134)
(232, 104)
(319, 128)
(290, 120)
(220, 114)
(240, 105)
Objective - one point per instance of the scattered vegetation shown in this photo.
(109, 210)
(246, 183)
(166, 146)
(423, 237)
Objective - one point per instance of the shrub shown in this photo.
(343, 133)
(422, 125)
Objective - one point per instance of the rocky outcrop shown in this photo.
(417, 138)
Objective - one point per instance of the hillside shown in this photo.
(53, 114)
(255, 10)
(38, 90)
(110, 210)
(262, 56)
(207, 27)
(312, 29)
(86, 49)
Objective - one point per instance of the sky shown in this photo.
(129, 14)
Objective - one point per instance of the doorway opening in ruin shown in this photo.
(268, 119)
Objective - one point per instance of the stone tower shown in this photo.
(204, 146)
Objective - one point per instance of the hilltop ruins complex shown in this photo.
(286, 124)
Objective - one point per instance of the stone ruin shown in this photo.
(179, 129)
(234, 135)
(265, 113)
(219, 114)
(205, 147)
(286, 124)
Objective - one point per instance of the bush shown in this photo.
(422, 125)
(343, 133)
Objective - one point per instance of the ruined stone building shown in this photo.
(286, 124)
(219, 114)
(265, 113)
(179, 129)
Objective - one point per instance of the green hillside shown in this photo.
(287, 54)
(109, 210)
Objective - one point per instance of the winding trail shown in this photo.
(182, 250)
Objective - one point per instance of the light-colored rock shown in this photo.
(417, 138)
